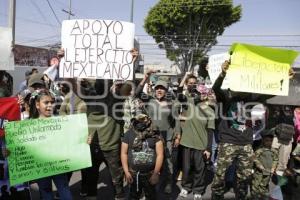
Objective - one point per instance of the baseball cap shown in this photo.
(36, 79)
(161, 83)
(268, 132)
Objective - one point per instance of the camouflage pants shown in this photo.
(260, 186)
(168, 167)
(226, 154)
(113, 162)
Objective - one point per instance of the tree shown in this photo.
(187, 29)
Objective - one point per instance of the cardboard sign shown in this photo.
(98, 49)
(214, 67)
(258, 69)
(45, 147)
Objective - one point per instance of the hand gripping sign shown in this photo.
(97, 49)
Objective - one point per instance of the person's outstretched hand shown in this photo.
(225, 66)
(60, 53)
(291, 73)
(135, 54)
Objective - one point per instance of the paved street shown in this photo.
(105, 191)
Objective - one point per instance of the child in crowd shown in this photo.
(142, 157)
(265, 163)
(41, 106)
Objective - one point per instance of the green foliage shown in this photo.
(187, 29)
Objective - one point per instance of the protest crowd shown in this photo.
(156, 139)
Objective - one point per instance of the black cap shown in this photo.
(268, 133)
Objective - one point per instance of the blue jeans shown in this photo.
(214, 147)
(62, 184)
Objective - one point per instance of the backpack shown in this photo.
(143, 156)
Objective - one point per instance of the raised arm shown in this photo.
(220, 94)
(139, 90)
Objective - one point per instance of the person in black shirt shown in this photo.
(236, 136)
(142, 157)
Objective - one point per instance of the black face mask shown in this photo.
(141, 126)
(192, 89)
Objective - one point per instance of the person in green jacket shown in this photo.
(196, 139)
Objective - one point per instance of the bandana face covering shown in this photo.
(141, 126)
(236, 113)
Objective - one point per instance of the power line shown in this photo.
(58, 21)
(229, 45)
(39, 11)
(233, 35)
(32, 21)
(246, 39)
(190, 4)
(40, 39)
(61, 3)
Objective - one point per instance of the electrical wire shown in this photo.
(229, 35)
(58, 21)
(39, 10)
(31, 21)
(40, 39)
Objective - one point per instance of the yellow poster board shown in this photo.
(258, 69)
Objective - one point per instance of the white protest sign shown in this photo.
(97, 49)
(6, 56)
(214, 67)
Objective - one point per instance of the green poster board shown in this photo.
(45, 147)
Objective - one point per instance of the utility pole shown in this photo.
(131, 13)
(12, 20)
(70, 7)
(70, 10)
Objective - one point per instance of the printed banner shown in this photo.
(215, 68)
(9, 111)
(45, 147)
(97, 49)
(258, 69)
(6, 58)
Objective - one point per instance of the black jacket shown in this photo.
(225, 98)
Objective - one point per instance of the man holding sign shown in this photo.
(235, 130)
(97, 49)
